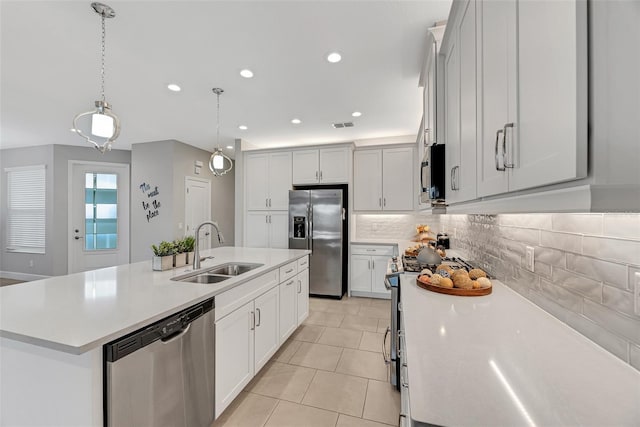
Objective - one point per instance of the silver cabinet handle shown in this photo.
(266, 203)
(288, 271)
(258, 312)
(384, 201)
(290, 282)
(498, 168)
(369, 264)
(269, 201)
(266, 219)
(269, 219)
(299, 286)
(316, 175)
(253, 321)
(320, 175)
(380, 202)
(504, 146)
(373, 264)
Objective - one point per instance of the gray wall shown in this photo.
(166, 164)
(56, 157)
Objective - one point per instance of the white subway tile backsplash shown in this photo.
(539, 221)
(586, 223)
(624, 251)
(634, 356)
(591, 289)
(584, 264)
(608, 272)
(622, 225)
(561, 296)
(618, 323)
(563, 241)
(619, 300)
(611, 342)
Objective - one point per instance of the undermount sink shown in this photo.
(218, 273)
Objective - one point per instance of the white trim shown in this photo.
(24, 168)
(187, 180)
(21, 276)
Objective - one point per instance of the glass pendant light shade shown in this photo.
(218, 158)
(105, 126)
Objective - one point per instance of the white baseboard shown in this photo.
(21, 276)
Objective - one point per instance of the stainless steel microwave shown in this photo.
(432, 174)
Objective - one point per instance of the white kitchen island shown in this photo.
(52, 331)
(499, 360)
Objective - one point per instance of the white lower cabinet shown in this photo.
(368, 269)
(288, 302)
(245, 341)
(249, 335)
(302, 306)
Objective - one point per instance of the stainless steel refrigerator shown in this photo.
(317, 221)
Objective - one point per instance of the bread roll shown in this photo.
(426, 272)
(476, 273)
(475, 284)
(484, 282)
(445, 282)
(463, 282)
(436, 278)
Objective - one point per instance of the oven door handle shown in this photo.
(387, 359)
(387, 283)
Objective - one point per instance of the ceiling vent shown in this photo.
(342, 125)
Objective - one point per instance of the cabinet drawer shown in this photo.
(288, 271)
(303, 263)
(234, 298)
(372, 250)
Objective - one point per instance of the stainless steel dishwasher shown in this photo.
(163, 374)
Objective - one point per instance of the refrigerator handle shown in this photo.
(344, 214)
(310, 236)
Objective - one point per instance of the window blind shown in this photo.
(26, 209)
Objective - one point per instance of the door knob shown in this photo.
(77, 237)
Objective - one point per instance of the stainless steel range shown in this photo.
(408, 264)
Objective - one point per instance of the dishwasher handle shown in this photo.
(176, 335)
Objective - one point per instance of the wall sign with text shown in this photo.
(151, 206)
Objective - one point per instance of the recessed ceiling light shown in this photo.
(174, 87)
(230, 147)
(356, 114)
(296, 121)
(334, 57)
(247, 74)
(242, 127)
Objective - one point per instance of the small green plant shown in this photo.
(164, 249)
(189, 243)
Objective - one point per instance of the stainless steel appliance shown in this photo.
(317, 221)
(411, 266)
(163, 374)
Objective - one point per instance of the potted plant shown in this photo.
(180, 257)
(189, 243)
(163, 256)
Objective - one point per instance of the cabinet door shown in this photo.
(397, 179)
(334, 165)
(497, 97)
(266, 327)
(279, 229)
(256, 181)
(367, 180)
(257, 229)
(361, 273)
(302, 306)
(378, 272)
(288, 316)
(279, 180)
(467, 155)
(452, 119)
(552, 86)
(234, 355)
(305, 167)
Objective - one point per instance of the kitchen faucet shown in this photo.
(196, 249)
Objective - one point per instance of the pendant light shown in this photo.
(104, 124)
(217, 160)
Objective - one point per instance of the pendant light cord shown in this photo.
(104, 36)
(218, 121)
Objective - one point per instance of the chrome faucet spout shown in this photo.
(196, 249)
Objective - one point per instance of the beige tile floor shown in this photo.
(329, 373)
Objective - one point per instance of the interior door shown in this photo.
(98, 225)
(197, 204)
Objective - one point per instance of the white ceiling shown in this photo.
(50, 64)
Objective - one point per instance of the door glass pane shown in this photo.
(101, 211)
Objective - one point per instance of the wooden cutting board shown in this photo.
(454, 291)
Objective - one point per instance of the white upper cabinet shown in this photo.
(383, 179)
(268, 180)
(267, 229)
(321, 166)
(533, 94)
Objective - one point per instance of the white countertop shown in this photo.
(79, 312)
(501, 360)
